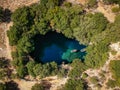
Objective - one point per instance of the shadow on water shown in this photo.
(55, 47)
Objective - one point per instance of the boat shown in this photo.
(74, 50)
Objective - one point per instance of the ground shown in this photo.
(14, 4)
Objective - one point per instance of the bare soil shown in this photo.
(14, 4)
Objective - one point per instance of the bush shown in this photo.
(94, 80)
(114, 68)
(92, 3)
(2, 86)
(38, 87)
(115, 9)
(84, 76)
(73, 84)
(111, 83)
(1, 14)
(113, 52)
(112, 1)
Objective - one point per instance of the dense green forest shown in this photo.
(92, 30)
(114, 68)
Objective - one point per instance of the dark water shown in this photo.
(56, 47)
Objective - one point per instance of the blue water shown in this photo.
(56, 47)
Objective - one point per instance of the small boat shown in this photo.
(74, 50)
(83, 50)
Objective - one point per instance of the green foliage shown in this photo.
(90, 25)
(3, 68)
(14, 54)
(62, 72)
(112, 1)
(67, 4)
(25, 44)
(96, 55)
(111, 83)
(113, 52)
(73, 84)
(77, 68)
(45, 69)
(114, 68)
(50, 3)
(25, 17)
(38, 87)
(3, 62)
(42, 26)
(84, 76)
(1, 14)
(111, 34)
(54, 68)
(30, 66)
(91, 3)
(94, 80)
(115, 9)
(38, 70)
(2, 86)
(22, 71)
(3, 74)
(14, 35)
(21, 24)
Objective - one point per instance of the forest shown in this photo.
(92, 30)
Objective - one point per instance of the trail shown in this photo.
(14, 4)
(8, 48)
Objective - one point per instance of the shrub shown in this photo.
(115, 9)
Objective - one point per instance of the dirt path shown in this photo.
(14, 4)
(8, 48)
(53, 80)
(106, 10)
(25, 85)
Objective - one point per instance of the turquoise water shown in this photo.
(56, 47)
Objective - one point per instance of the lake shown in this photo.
(56, 47)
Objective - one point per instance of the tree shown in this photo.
(3, 62)
(37, 69)
(97, 54)
(3, 68)
(30, 66)
(91, 3)
(73, 84)
(112, 1)
(25, 44)
(3, 74)
(22, 71)
(2, 86)
(1, 14)
(14, 35)
(53, 3)
(78, 68)
(54, 68)
(90, 25)
(24, 17)
(42, 26)
(38, 87)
